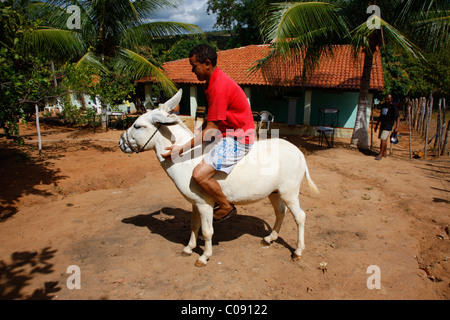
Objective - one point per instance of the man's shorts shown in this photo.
(384, 135)
(226, 154)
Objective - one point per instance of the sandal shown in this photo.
(379, 157)
(218, 216)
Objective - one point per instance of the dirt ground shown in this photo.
(121, 220)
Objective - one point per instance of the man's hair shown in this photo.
(204, 52)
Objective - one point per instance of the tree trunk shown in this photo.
(55, 81)
(360, 137)
(104, 114)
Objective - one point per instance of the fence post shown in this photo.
(38, 130)
(428, 121)
(409, 128)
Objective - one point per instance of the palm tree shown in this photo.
(311, 28)
(109, 31)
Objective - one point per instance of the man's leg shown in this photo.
(384, 135)
(383, 148)
(203, 175)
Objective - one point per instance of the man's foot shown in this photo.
(379, 157)
(224, 214)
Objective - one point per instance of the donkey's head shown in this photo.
(140, 136)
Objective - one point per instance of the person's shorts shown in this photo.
(226, 154)
(384, 135)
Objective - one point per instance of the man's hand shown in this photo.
(173, 150)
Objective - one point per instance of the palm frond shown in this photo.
(307, 22)
(427, 22)
(361, 35)
(412, 9)
(52, 40)
(145, 9)
(141, 34)
(91, 60)
(433, 29)
(300, 33)
(137, 67)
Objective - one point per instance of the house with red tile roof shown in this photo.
(279, 87)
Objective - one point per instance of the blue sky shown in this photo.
(188, 11)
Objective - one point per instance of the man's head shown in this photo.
(203, 59)
(388, 98)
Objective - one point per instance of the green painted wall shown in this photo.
(278, 104)
(347, 103)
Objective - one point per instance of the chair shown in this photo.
(255, 115)
(267, 117)
(328, 121)
(118, 116)
(200, 113)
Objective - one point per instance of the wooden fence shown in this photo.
(419, 113)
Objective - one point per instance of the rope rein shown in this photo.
(149, 139)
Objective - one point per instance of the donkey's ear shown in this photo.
(173, 102)
(162, 119)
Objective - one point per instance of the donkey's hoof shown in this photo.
(264, 243)
(199, 264)
(295, 257)
(186, 254)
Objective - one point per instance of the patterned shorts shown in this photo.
(384, 135)
(226, 154)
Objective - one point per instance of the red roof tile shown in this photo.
(336, 71)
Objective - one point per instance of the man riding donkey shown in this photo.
(228, 112)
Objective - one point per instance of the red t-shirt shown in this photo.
(228, 104)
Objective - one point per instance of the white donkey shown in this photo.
(273, 168)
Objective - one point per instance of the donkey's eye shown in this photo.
(136, 126)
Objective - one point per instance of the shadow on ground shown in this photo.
(16, 275)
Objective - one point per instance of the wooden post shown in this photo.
(426, 107)
(371, 125)
(444, 109)
(444, 147)
(390, 146)
(416, 124)
(437, 140)
(409, 128)
(423, 111)
(38, 130)
(427, 124)
(419, 104)
(417, 116)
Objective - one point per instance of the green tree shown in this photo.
(396, 77)
(416, 78)
(432, 75)
(310, 28)
(242, 17)
(182, 48)
(24, 78)
(108, 32)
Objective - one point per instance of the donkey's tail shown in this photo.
(311, 183)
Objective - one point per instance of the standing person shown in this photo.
(389, 118)
(228, 113)
(161, 98)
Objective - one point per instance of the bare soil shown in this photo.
(121, 220)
